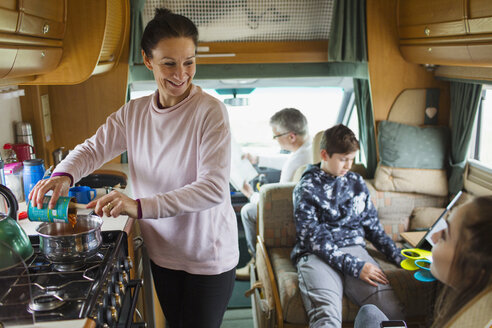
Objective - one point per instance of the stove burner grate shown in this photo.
(39, 292)
(46, 302)
(65, 267)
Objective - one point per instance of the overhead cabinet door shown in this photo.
(480, 16)
(431, 18)
(44, 18)
(9, 16)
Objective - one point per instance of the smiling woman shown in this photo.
(172, 62)
(178, 144)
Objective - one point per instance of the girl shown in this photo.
(461, 260)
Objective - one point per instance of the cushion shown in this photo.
(422, 181)
(395, 208)
(424, 217)
(408, 146)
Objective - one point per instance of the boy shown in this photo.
(333, 214)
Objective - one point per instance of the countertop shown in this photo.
(122, 222)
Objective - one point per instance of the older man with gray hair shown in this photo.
(290, 129)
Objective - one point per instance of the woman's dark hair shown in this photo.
(472, 263)
(339, 139)
(165, 25)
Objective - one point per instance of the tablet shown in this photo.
(440, 224)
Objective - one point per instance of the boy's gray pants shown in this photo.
(322, 289)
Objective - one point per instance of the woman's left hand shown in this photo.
(114, 204)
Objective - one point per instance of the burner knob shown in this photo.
(111, 315)
(128, 263)
(116, 300)
(121, 287)
(125, 278)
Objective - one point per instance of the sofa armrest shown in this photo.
(267, 278)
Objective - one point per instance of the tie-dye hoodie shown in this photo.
(332, 212)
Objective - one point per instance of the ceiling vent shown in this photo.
(252, 21)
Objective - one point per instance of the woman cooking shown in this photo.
(178, 144)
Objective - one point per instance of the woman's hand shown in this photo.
(60, 186)
(114, 204)
(372, 274)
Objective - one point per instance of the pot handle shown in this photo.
(11, 201)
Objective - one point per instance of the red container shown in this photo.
(23, 151)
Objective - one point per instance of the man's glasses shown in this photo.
(280, 135)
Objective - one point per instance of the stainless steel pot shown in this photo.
(68, 247)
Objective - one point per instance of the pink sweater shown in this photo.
(179, 162)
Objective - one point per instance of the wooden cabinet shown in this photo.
(446, 32)
(9, 15)
(7, 58)
(445, 54)
(479, 16)
(314, 51)
(94, 40)
(424, 18)
(60, 41)
(31, 34)
(44, 19)
(34, 59)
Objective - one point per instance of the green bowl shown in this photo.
(15, 245)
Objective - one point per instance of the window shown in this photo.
(250, 124)
(480, 147)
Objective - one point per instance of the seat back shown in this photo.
(474, 314)
(316, 156)
(275, 215)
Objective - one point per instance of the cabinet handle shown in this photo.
(429, 49)
(427, 31)
(46, 28)
(43, 54)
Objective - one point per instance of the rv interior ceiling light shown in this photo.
(241, 82)
(236, 101)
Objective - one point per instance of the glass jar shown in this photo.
(13, 179)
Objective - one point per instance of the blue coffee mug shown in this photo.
(83, 194)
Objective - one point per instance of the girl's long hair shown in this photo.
(472, 263)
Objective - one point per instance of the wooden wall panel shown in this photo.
(389, 73)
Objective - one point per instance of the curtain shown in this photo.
(465, 98)
(367, 134)
(347, 40)
(136, 31)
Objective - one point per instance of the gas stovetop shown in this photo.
(40, 292)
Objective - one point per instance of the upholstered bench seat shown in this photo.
(278, 276)
(416, 296)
